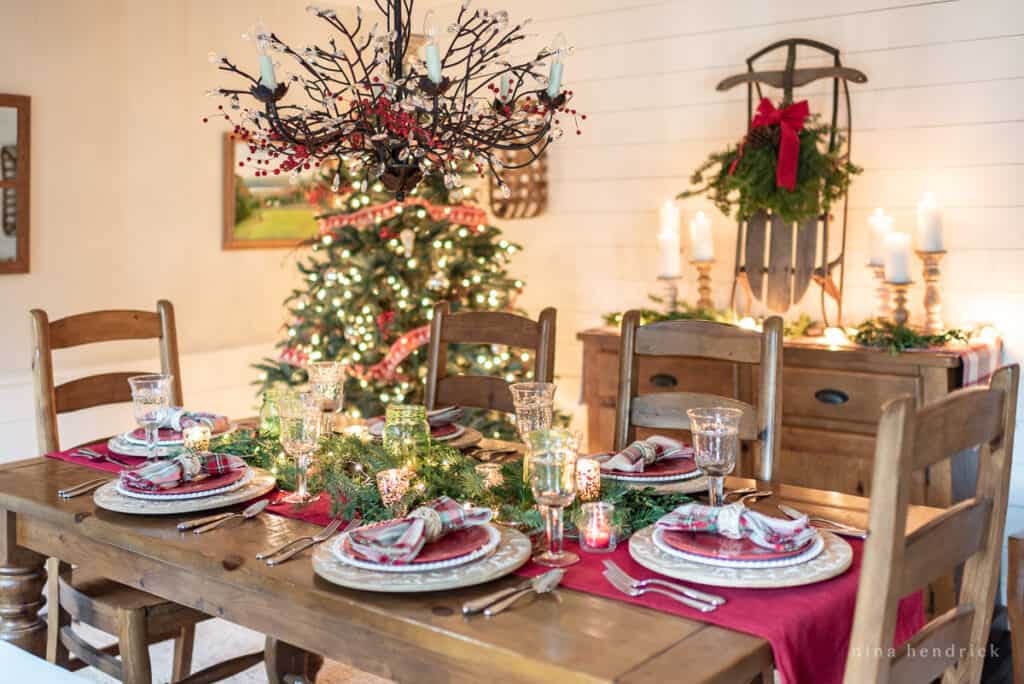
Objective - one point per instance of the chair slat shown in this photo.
(481, 391)
(94, 390)
(962, 420)
(490, 327)
(104, 326)
(937, 547)
(705, 339)
(667, 410)
(934, 648)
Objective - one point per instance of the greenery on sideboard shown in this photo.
(882, 334)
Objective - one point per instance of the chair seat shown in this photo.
(97, 601)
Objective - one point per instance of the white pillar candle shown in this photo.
(701, 239)
(881, 225)
(897, 258)
(669, 265)
(929, 224)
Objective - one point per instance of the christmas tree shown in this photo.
(371, 281)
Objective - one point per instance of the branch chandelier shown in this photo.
(392, 119)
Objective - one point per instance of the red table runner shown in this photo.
(808, 627)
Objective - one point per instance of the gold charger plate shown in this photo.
(512, 552)
(834, 560)
(109, 498)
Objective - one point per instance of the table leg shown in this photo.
(284, 659)
(22, 580)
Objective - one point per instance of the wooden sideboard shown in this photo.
(831, 401)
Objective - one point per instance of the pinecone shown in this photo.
(762, 136)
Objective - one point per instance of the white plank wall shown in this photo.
(943, 110)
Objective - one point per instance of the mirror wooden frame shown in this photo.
(21, 183)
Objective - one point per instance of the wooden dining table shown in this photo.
(566, 637)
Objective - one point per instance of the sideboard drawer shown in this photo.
(844, 396)
(683, 374)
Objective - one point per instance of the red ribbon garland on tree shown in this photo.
(790, 121)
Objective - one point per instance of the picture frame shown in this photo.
(277, 214)
(15, 177)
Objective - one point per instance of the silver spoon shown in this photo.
(250, 512)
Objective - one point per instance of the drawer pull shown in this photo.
(832, 396)
(664, 380)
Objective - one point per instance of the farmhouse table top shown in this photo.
(574, 637)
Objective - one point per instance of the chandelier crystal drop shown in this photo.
(364, 101)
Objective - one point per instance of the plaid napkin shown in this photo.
(736, 522)
(399, 541)
(642, 453)
(178, 419)
(158, 475)
(445, 416)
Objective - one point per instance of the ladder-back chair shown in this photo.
(485, 327)
(135, 617)
(759, 426)
(953, 645)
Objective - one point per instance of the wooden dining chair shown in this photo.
(1015, 602)
(759, 426)
(485, 327)
(135, 617)
(895, 564)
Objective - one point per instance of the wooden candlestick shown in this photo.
(932, 294)
(899, 302)
(882, 308)
(671, 289)
(704, 300)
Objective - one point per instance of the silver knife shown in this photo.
(826, 524)
(540, 585)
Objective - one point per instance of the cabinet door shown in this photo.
(826, 459)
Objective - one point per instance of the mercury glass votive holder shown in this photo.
(491, 474)
(597, 528)
(588, 479)
(393, 484)
(196, 438)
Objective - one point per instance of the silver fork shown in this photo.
(97, 456)
(82, 488)
(614, 569)
(831, 525)
(302, 545)
(630, 590)
(263, 555)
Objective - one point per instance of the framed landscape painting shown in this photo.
(267, 211)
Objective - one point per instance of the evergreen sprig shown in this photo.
(822, 177)
(882, 334)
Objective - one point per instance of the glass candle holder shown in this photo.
(270, 417)
(196, 438)
(491, 474)
(588, 479)
(406, 433)
(597, 529)
(393, 484)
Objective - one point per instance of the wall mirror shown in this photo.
(15, 115)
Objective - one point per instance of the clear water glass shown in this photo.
(552, 460)
(327, 385)
(301, 426)
(270, 420)
(534, 403)
(151, 400)
(716, 443)
(406, 434)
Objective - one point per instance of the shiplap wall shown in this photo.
(943, 110)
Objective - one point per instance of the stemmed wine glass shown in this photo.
(552, 460)
(327, 385)
(301, 427)
(151, 400)
(716, 441)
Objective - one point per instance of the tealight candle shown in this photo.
(701, 239)
(897, 258)
(597, 531)
(669, 262)
(929, 224)
(490, 473)
(196, 438)
(881, 225)
(588, 479)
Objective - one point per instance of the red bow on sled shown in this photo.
(791, 121)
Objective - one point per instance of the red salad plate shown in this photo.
(666, 468)
(715, 546)
(195, 486)
(448, 547)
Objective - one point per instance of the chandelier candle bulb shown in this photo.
(701, 239)
(929, 224)
(669, 260)
(505, 86)
(588, 479)
(560, 47)
(881, 225)
(897, 258)
(430, 51)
